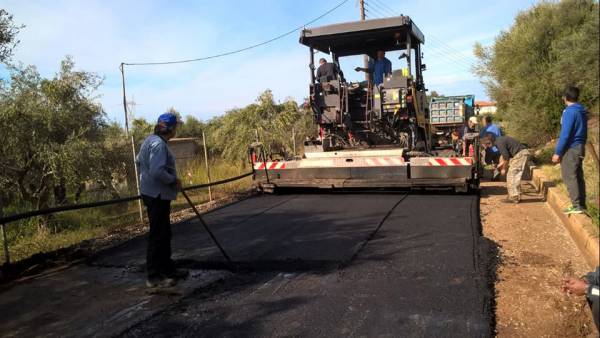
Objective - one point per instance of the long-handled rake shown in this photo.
(206, 226)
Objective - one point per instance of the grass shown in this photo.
(72, 227)
(590, 173)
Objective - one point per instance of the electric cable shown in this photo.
(237, 50)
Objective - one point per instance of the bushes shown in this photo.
(549, 46)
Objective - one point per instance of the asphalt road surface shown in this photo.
(309, 265)
(332, 265)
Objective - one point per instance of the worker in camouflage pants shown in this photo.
(513, 160)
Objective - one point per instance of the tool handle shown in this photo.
(205, 226)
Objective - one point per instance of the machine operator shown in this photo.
(380, 68)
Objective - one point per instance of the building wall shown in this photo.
(185, 150)
(487, 110)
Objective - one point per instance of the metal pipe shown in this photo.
(207, 168)
(5, 244)
(262, 148)
(409, 57)
(137, 179)
(312, 66)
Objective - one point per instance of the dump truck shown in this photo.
(369, 136)
(448, 114)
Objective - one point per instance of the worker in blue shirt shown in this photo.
(379, 68)
(489, 127)
(159, 186)
(570, 149)
(492, 155)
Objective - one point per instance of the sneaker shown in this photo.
(164, 282)
(572, 210)
(179, 274)
(511, 200)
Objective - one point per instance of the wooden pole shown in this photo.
(294, 140)
(207, 168)
(365, 57)
(5, 244)
(137, 179)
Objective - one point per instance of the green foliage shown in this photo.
(273, 124)
(432, 95)
(191, 127)
(8, 35)
(54, 136)
(140, 129)
(549, 46)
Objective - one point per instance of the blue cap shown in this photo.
(168, 120)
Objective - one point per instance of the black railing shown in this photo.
(16, 217)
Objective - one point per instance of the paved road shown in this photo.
(379, 264)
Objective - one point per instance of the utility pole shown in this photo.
(130, 137)
(365, 57)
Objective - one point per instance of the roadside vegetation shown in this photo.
(549, 46)
(60, 148)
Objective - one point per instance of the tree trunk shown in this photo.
(60, 193)
(43, 202)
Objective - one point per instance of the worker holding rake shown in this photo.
(159, 185)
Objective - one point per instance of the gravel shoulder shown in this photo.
(535, 253)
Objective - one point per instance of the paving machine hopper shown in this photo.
(369, 135)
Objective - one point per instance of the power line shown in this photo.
(375, 5)
(456, 51)
(374, 10)
(237, 50)
(386, 6)
(465, 59)
(439, 50)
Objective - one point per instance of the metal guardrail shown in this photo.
(15, 217)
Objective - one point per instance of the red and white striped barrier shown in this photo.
(450, 161)
(269, 165)
(383, 161)
(333, 163)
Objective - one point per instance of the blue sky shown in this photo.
(102, 34)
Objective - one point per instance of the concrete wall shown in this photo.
(186, 150)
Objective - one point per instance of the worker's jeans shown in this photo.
(516, 166)
(571, 167)
(158, 256)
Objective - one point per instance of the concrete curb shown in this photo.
(580, 227)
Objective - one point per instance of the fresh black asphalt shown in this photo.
(332, 265)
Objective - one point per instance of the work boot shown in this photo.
(511, 200)
(160, 282)
(179, 274)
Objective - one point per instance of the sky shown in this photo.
(99, 35)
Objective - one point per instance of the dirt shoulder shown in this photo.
(536, 252)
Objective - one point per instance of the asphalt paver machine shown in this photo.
(369, 136)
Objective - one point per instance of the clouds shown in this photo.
(102, 34)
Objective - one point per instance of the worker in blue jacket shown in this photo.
(380, 68)
(492, 155)
(570, 149)
(159, 185)
(489, 127)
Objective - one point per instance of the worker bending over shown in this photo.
(513, 159)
